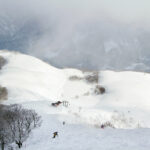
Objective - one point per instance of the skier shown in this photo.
(55, 134)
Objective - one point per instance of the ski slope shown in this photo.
(35, 84)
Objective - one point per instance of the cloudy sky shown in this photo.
(77, 33)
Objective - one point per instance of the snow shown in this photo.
(35, 84)
(31, 77)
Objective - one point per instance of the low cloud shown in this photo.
(85, 34)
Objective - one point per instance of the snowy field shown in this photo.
(125, 105)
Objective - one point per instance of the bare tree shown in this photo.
(5, 134)
(20, 122)
(36, 118)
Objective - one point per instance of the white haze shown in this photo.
(87, 34)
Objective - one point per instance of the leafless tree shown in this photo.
(5, 134)
(20, 122)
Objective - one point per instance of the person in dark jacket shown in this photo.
(55, 134)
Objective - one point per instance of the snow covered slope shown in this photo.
(28, 78)
(124, 105)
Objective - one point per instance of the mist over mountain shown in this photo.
(82, 34)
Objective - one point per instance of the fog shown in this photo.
(86, 34)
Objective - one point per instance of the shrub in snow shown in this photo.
(3, 93)
(99, 90)
(92, 78)
(75, 78)
(17, 124)
(107, 124)
(2, 62)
